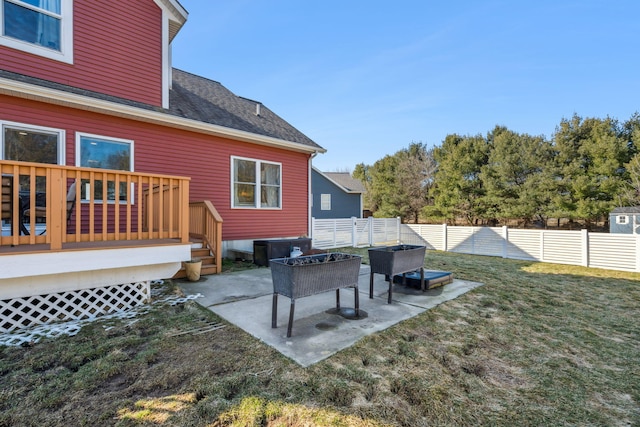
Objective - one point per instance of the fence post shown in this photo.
(313, 228)
(444, 237)
(505, 241)
(370, 227)
(585, 247)
(473, 240)
(354, 232)
(398, 224)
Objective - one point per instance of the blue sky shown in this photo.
(366, 78)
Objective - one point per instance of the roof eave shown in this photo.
(176, 14)
(81, 102)
(342, 187)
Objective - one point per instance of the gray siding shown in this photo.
(627, 228)
(343, 204)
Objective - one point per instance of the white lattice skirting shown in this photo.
(19, 313)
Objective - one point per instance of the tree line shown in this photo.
(588, 167)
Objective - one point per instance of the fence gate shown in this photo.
(356, 232)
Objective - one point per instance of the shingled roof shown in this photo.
(205, 100)
(345, 180)
(200, 99)
(626, 210)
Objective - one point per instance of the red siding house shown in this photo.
(112, 161)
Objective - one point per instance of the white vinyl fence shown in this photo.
(356, 232)
(600, 250)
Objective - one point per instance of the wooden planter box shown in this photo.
(393, 260)
(309, 275)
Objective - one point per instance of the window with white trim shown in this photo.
(94, 151)
(255, 184)
(41, 27)
(325, 202)
(28, 143)
(622, 219)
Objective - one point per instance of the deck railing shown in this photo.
(108, 205)
(206, 222)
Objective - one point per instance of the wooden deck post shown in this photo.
(56, 204)
(184, 212)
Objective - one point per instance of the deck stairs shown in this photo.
(200, 249)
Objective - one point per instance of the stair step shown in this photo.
(209, 269)
(200, 253)
(207, 260)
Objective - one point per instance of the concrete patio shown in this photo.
(245, 298)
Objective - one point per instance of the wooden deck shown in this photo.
(109, 205)
(124, 230)
(82, 246)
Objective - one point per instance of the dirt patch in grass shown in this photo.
(537, 345)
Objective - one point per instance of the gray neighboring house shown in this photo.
(625, 220)
(335, 195)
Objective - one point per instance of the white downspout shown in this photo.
(310, 198)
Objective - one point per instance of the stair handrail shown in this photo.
(205, 221)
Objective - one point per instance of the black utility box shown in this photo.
(264, 250)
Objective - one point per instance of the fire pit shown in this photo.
(393, 260)
(426, 280)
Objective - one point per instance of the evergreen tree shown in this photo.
(458, 189)
(517, 177)
(631, 195)
(361, 172)
(590, 159)
(398, 185)
(631, 132)
(415, 176)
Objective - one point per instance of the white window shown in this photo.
(622, 219)
(94, 151)
(255, 184)
(28, 143)
(41, 27)
(325, 202)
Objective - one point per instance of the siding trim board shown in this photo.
(173, 18)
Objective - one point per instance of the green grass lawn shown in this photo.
(538, 345)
